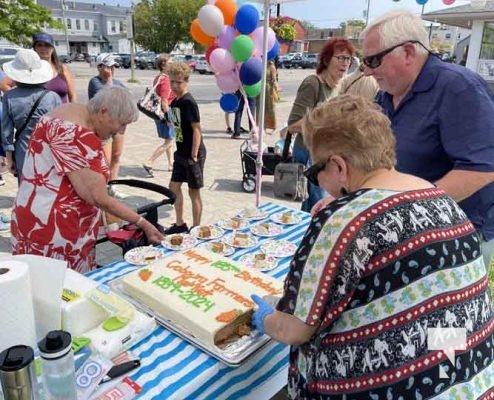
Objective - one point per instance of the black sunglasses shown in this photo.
(376, 60)
(312, 172)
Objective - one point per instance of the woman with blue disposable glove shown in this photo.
(389, 266)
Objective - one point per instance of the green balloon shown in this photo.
(242, 48)
(253, 90)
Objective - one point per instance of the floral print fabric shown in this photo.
(49, 217)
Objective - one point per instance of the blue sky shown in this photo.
(329, 13)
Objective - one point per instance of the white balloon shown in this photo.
(477, 4)
(211, 20)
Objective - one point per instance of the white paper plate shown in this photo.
(278, 218)
(216, 232)
(227, 249)
(251, 240)
(188, 242)
(250, 261)
(143, 255)
(278, 248)
(266, 229)
(227, 224)
(253, 213)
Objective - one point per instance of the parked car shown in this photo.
(191, 61)
(79, 57)
(7, 53)
(294, 62)
(64, 58)
(202, 66)
(145, 59)
(123, 60)
(309, 61)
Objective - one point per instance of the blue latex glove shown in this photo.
(262, 311)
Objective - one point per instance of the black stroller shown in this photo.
(129, 236)
(249, 159)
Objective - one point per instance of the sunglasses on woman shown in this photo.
(312, 172)
(376, 60)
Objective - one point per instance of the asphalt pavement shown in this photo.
(222, 194)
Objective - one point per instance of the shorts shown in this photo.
(186, 170)
(164, 130)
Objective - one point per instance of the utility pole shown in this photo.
(367, 13)
(64, 20)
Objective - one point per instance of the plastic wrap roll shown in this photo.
(16, 305)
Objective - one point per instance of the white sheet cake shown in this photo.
(201, 292)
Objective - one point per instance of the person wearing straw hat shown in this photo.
(24, 104)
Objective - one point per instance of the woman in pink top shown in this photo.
(165, 128)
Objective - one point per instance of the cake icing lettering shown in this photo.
(259, 282)
(190, 296)
(219, 287)
(197, 257)
(225, 266)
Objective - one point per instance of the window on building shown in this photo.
(95, 26)
(448, 36)
(322, 35)
(59, 20)
(86, 24)
(487, 48)
(78, 24)
(69, 23)
(459, 36)
(113, 25)
(123, 26)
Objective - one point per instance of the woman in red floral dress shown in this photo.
(63, 188)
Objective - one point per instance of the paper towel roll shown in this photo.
(16, 305)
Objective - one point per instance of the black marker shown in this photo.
(120, 369)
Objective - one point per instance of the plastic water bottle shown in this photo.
(57, 364)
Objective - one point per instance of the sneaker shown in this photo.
(2, 181)
(176, 229)
(115, 193)
(229, 130)
(243, 130)
(235, 136)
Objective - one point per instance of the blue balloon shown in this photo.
(421, 2)
(274, 50)
(229, 102)
(246, 19)
(251, 71)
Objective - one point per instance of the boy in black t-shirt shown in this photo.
(188, 165)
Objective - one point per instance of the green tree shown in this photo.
(20, 19)
(283, 30)
(161, 24)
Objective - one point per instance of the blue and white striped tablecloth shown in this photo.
(171, 368)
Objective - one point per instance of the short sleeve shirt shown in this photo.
(49, 218)
(446, 122)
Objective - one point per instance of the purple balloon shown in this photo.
(225, 39)
(251, 71)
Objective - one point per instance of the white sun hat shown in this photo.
(28, 68)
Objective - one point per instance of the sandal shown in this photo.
(149, 170)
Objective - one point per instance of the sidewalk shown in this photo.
(222, 193)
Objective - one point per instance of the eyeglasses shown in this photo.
(341, 59)
(312, 172)
(376, 60)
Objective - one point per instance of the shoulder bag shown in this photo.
(150, 104)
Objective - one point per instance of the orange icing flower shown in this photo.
(145, 274)
(227, 316)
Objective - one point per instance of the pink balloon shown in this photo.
(225, 38)
(221, 61)
(228, 82)
(448, 2)
(256, 53)
(258, 37)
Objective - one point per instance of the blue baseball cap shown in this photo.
(43, 37)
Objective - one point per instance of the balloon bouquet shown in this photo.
(234, 50)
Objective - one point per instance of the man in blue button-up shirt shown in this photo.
(442, 115)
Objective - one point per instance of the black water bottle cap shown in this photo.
(55, 345)
(15, 358)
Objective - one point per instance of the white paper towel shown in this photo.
(16, 305)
